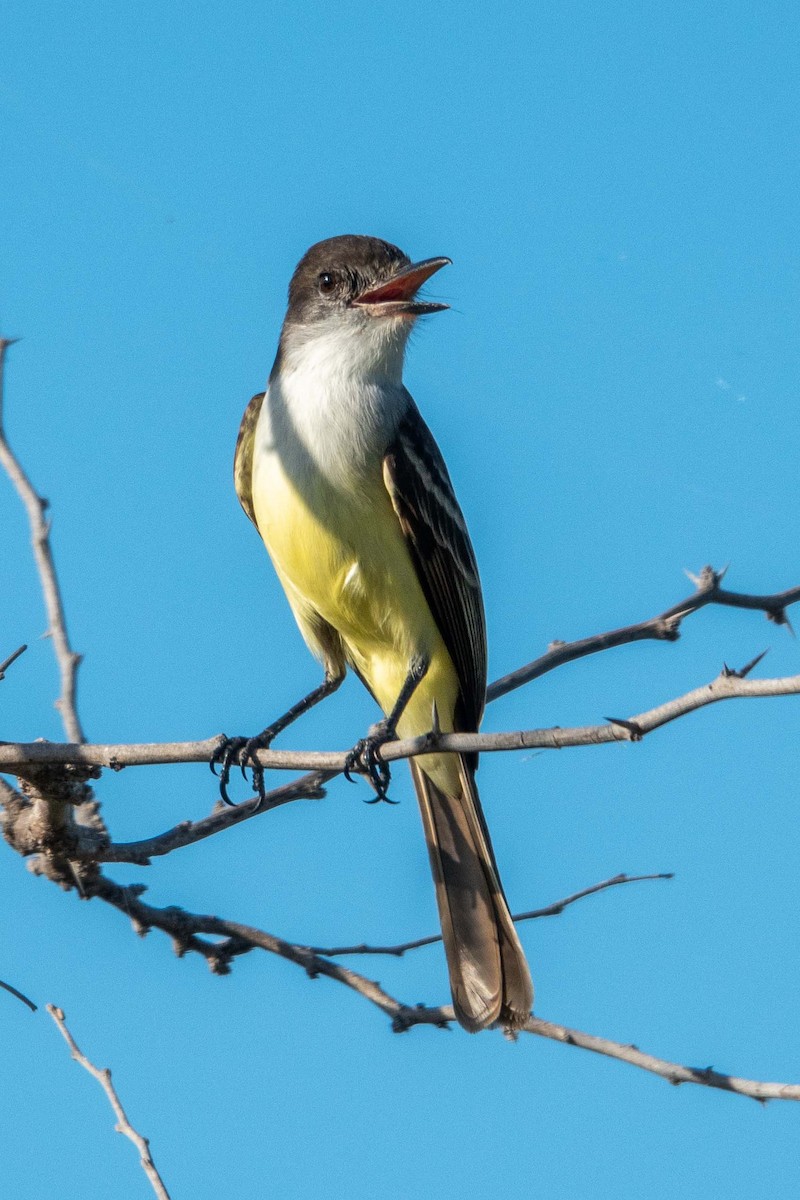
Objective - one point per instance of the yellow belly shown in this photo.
(342, 556)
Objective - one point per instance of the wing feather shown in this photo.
(243, 458)
(423, 498)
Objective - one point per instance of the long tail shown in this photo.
(489, 975)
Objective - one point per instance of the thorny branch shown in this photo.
(19, 757)
(54, 819)
(103, 1077)
(664, 628)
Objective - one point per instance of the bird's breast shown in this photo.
(341, 554)
(333, 535)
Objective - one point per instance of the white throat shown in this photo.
(337, 396)
(353, 343)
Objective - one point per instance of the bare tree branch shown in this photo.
(67, 849)
(672, 1072)
(308, 787)
(664, 628)
(551, 910)
(20, 995)
(190, 932)
(15, 757)
(103, 1077)
(36, 506)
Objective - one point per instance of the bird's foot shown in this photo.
(365, 758)
(241, 752)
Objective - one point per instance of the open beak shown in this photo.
(396, 297)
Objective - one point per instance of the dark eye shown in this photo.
(327, 283)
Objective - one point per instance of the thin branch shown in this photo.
(672, 1072)
(186, 833)
(186, 930)
(103, 1077)
(20, 995)
(663, 628)
(729, 685)
(68, 661)
(12, 658)
(551, 910)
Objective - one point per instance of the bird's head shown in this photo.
(361, 291)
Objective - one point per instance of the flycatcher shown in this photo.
(350, 494)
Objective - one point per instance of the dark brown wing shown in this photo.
(423, 498)
(243, 458)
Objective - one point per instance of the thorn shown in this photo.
(435, 726)
(779, 617)
(745, 670)
(636, 731)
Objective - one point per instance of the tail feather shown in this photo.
(489, 975)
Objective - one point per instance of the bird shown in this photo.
(343, 480)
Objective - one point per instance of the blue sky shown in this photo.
(615, 392)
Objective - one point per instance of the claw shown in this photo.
(241, 751)
(351, 762)
(222, 742)
(223, 757)
(365, 758)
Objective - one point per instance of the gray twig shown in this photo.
(662, 628)
(729, 685)
(551, 910)
(36, 507)
(673, 1072)
(103, 1077)
(186, 833)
